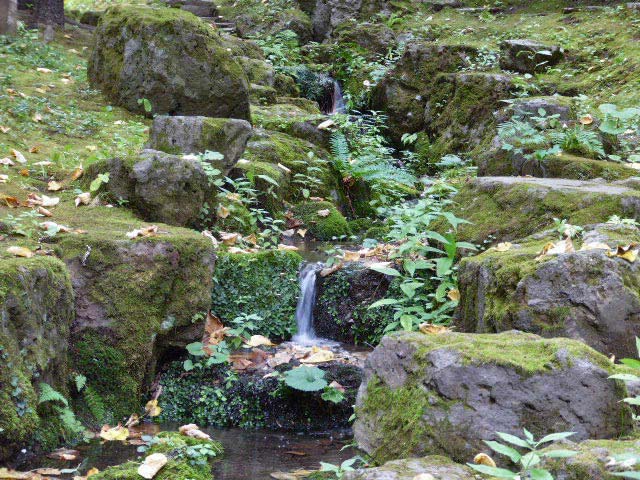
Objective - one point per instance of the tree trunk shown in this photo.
(49, 12)
(8, 17)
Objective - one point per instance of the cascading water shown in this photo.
(304, 311)
(338, 99)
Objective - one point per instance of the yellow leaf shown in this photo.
(594, 246)
(484, 459)
(586, 119)
(118, 433)
(53, 186)
(302, 232)
(83, 199)
(34, 149)
(152, 408)
(320, 355)
(91, 148)
(290, 248)
(20, 252)
(192, 430)
(257, 340)
(431, 329)
(152, 465)
(222, 211)
(503, 247)
(92, 471)
(77, 173)
(627, 252)
(454, 295)
(229, 238)
(350, 256)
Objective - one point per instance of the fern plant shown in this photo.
(70, 426)
(578, 140)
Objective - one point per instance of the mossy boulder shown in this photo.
(179, 465)
(342, 300)
(322, 219)
(404, 90)
(198, 134)
(264, 283)
(439, 467)
(527, 56)
(585, 295)
(444, 394)
(593, 460)
(509, 208)
(326, 15)
(375, 38)
(36, 314)
(158, 186)
(298, 120)
(169, 57)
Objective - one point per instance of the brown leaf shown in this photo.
(325, 272)
(64, 454)
(627, 252)
(20, 252)
(76, 174)
(431, 329)
(454, 295)
(222, 211)
(12, 202)
(83, 199)
(34, 149)
(43, 211)
(54, 186)
(24, 172)
(7, 161)
(192, 430)
(214, 330)
(484, 459)
(257, 341)
(152, 465)
(229, 238)
(149, 231)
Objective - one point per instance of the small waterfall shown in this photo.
(338, 99)
(306, 302)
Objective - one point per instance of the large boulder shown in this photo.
(160, 187)
(199, 134)
(445, 394)
(326, 15)
(169, 57)
(440, 468)
(404, 90)
(586, 295)
(36, 313)
(509, 208)
(528, 56)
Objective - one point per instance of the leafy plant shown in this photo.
(305, 378)
(527, 462)
(634, 365)
(332, 394)
(146, 104)
(566, 229)
(71, 427)
(97, 182)
(338, 471)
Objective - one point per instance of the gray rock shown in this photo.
(440, 468)
(160, 187)
(199, 134)
(171, 58)
(445, 394)
(326, 15)
(527, 56)
(584, 295)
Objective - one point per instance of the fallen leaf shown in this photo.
(64, 454)
(134, 419)
(296, 453)
(503, 247)
(192, 430)
(44, 70)
(302, 232)
(24, 172)
(149, 231)
(319, 355)
(34, 149)
(337, 386)
(18, 156)
(229, 238)
(454, 295)
(627, 252)
(45, 163)
(152, 408)
(431, 329)
(92, 471)
(20, 252)
(152, 465)
(214, 330)
(3, 178)
(76, 174)
(83, 199)
(252, 239)
(12, 202)
(594, 246)
(284, 168)
(36, 117)
(222, 211)
(53, 186)
(7, 161)
(586, 119)
(257, 341)
(6, 474)
(350, 256)
(280, 358)
(46, 471)
(326, 124)
(5, 129)
(323, 213)
(325, 272)
(484, 459)
(565, 246)
(49, 201)
(117, 433)
(424, 476)
(289, 248)
(43, 211)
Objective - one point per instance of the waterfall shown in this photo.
(306, 302)
(338, 100)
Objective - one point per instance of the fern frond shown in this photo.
(340, 147)
(70, 424)
(48, 394)
(95, 404)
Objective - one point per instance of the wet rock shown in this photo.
(201, 8)
(326, 15)
(527, 56)
(36, 313)
(376, 38)
(199, 134)
(510, 208)
(404, 90)
(445, 394)
(169, 57)
(585, 295)
(440, 468)
(342, 301)
(158, 186)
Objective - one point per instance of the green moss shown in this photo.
(326, 227)
(264, 283)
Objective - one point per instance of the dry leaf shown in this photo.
(594, 246)
(46, 471)
(36, 117)
(152, 408)
(337, 386)
(44, 70)
(325, 272)
(134, 419)
(257, 341)
(43, 164)
(290, 248)
(24, 172)
(503, 247)
(43, 211)
(149, 231)
(565, 246)
(3, 178)
(214, 330)
(92, 471)
(252, 239)
(349, 256)
(627, 252)
(49, 201)
(20, 252)
(326, 124)
(302, 232)
(77, 173)
(229, 238)
(323, 213)
(152, 465)
(64, 454)
(7, 161)
(424, 476)
(117, 433)
(319, 355)
(12, 202)
(280, 358)
(431, 329)
(6, 474)
(222, 211)
(484, 459)
(192, 430)
(53, 186)
(586, 119)
(35, 149)
(283, 168)
(18, 156)
(83, 199)
(4, 129)
(454, 295)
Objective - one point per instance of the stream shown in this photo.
(248, 454)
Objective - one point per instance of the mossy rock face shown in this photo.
(179, 467)
(134, 300)
(509, 208)
(375, 38)
(342, 300)
(592, 459)
(36, 314)
(158, 186)
(527, 56)
(403, 92)
(323, 220)
(585, 295)
(171, 58)
(445, 394)
(437, 466)
(253, 21)
(264, 283)
(177, 134)
(327, 15)
(299, 120)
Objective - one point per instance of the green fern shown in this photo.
(579, 141)
(340, 146)
(70, 425)
(48, 394)
(95, 404)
